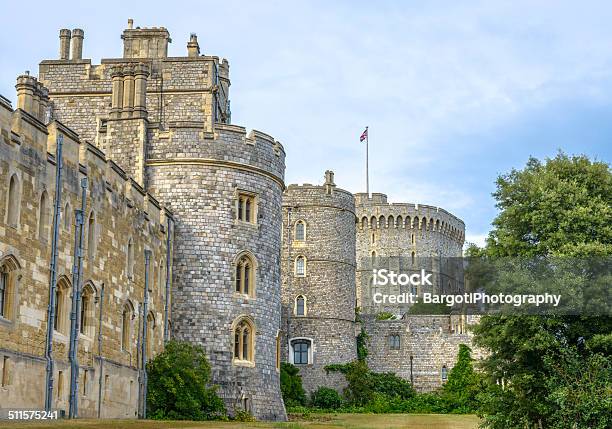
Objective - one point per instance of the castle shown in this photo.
(175, 223)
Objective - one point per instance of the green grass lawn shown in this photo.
(319, 421)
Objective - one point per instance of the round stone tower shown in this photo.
(318, 272)
(405, 237)
(226, 197)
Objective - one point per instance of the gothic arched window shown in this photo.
(244, 341)
(245, 275)
(300, 266)
(300, 306)
(300, 230)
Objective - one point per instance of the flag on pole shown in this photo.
(364, 135)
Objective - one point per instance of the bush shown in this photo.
(463, 382)
(178, 388)
(326, 398)
(291, 385)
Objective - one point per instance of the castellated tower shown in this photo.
(166, 121)
(318, 272)
(405, 237)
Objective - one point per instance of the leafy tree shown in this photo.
(291, 385)
(560, 207)
(462, 385)
(178, 385)
(326, 398)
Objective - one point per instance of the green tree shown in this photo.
(178, 385)
(462, 386)
(291, 385)
(560, 207)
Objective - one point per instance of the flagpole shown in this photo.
(367, 163)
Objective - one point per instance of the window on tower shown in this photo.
(246, 207)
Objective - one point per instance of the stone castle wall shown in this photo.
(120, 211)
(327, 286)
(427, 344)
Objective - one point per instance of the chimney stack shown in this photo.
(64, 35)
(77, 43)
(193, 49)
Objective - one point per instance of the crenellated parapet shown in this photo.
(376, 213)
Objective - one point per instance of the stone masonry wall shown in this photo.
(121, 211)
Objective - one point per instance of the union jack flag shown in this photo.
(364, 135)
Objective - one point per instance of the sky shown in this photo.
(454, 93)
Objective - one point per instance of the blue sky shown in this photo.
(454, 94)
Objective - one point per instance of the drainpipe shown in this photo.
(77, 271)
(168, 256)
(53, 268)
(100, 358)
(143, 353)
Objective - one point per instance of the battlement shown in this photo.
(376, 213)
(327, 195)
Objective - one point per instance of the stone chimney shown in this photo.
(329, 182)
(193, 49)
(145, 42)
(64, 36)
(77, 43)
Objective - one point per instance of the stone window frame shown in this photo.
(241, 325)
(444, 373)
(305, 306)
(151, 330)
(252, 201)
(43, 225)
(66, 222)
(394, 341)
(127, 309)
(11, 271)
(243, 260)
(87, 316)
(92, 235)
(13, 202)
(295, 266)
(129, 258)
(310, 355)
(61, 324)
(301, 222)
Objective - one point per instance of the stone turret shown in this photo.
(318, 291)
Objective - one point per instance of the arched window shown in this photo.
(130, 258)
(13, 204)
(126, 323)
(8, 287)
(150, 335)
(87, 311)
(43, 217)
(394, 342)
(301, 349)
(300, 306)
(91, 235)
(300, 230)
(67, 217)
(444, 373)
(300, 266)
(62, 295)
(244, 343)
(245, 275)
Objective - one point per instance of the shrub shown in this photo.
(178, 388)
(291, 385)
(326, 398)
